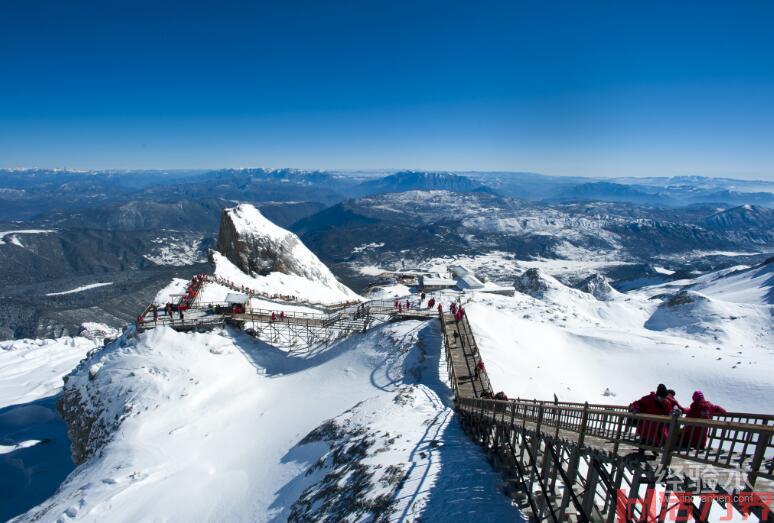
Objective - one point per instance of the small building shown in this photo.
(236, 298)
(466, 279)
(435, 282)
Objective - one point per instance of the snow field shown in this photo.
(214, 421)
(576, 347)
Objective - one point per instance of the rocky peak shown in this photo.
(596, 285)
(258, 247)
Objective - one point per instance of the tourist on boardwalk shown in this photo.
(408, 305)
(431, 303)
(282, 315)
(397, 303)
(453, 309)
(422, 298)
(653, 433)
(400, 308)
(181, 315)
(155, 311)
(479, 368)
(696, 437)
(273, 317)
(440, 308)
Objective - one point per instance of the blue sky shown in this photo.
(566, 88)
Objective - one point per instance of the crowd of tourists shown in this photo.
(172, 310)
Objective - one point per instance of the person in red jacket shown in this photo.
(700, 408)
(653, 433)
(479, 368)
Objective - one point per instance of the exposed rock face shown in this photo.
(258, 247)
(531, 282)
(598, 286)
(85, 428)
(684, 297)
(91, 416)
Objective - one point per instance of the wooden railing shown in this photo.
(591, 448)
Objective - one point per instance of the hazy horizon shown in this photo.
(375, 171)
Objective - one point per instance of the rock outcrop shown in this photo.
(532, 282)
(258, 247)
(598, 286)
(91, 415)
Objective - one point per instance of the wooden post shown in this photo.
(757, 461)
(572, 469)
(666, 457)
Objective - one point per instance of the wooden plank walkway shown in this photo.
(463, 353)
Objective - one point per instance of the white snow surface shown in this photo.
(571, 344)
(388, 292)
(215, 423)
(171, 293)
(81, 288)
(31, 369)
(11, 236)
(285, 284)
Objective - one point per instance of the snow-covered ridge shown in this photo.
(254, 252)
(227, 428)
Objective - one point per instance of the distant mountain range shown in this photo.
(420, 181)
(28, 194)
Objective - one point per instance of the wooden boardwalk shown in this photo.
(462, 352)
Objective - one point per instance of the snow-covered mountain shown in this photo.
(420, 180)
(219, 426)
(252, 246)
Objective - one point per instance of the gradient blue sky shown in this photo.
(566, 88)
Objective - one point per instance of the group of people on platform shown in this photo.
(456, 308)
(663, 402)
(185, 302)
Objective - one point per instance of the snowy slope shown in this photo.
(31, 369)
(571, 344)
(749, 285)
(34, 449)
(214, 426)
(285, 284)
